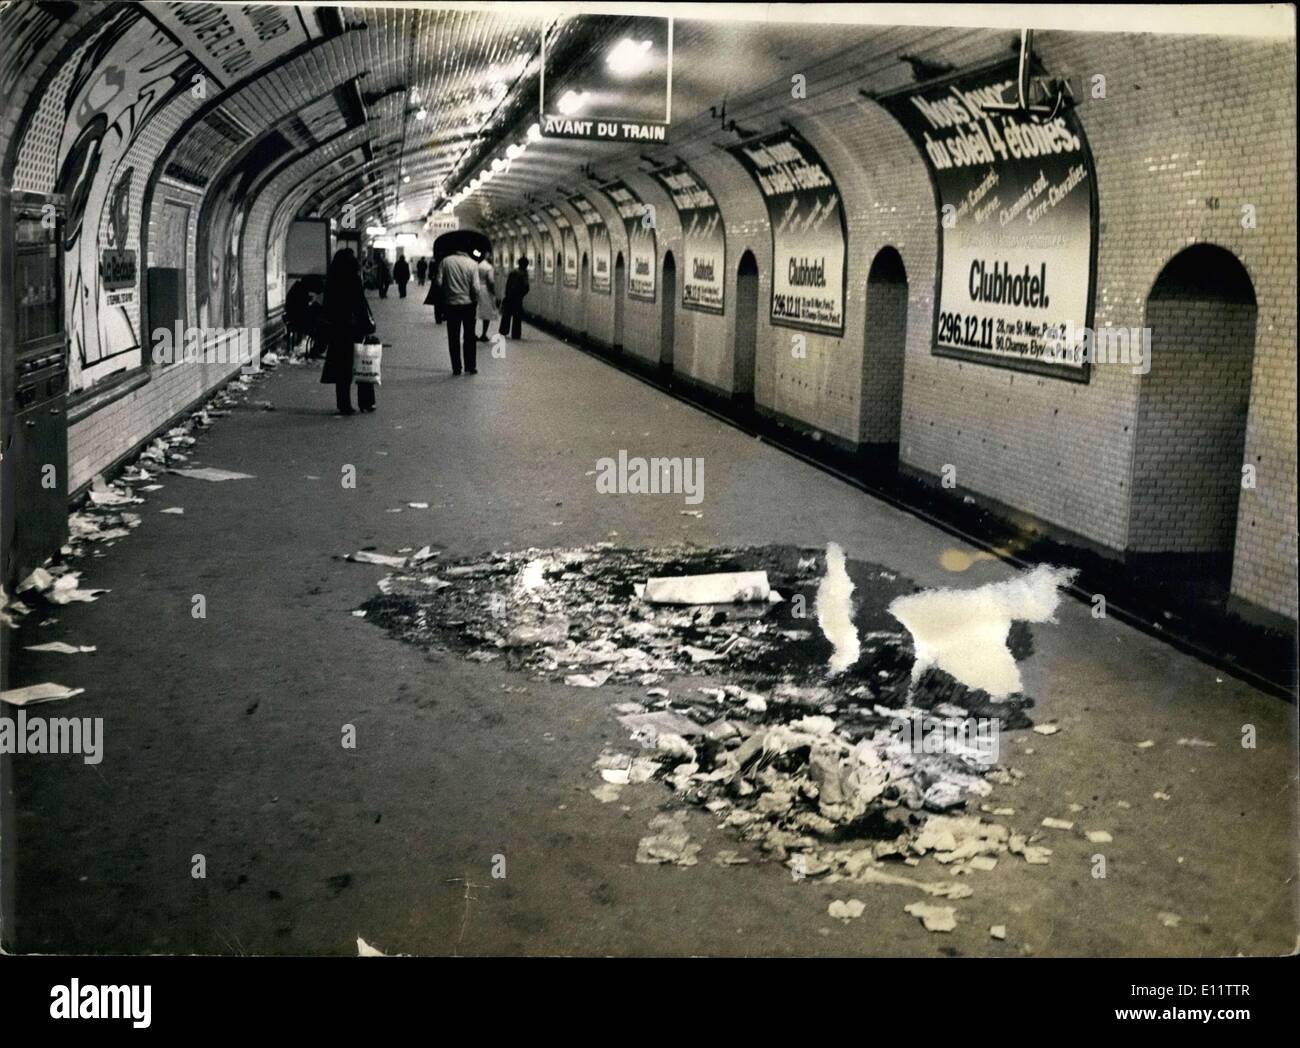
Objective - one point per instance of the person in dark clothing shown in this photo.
(513, 303)
(421, 268)
(383, 276)
(457, 281)
(401, 275)
(302, 313)
(346, 321)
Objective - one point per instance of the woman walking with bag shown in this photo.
(347, 321)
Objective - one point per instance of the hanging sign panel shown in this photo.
(809, 237)
(1015, 194)
(601, 267)
(642, 248)
(619, 89)
(704, 235)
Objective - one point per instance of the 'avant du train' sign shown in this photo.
(1016, 201)
(809, 238)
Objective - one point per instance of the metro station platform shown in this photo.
(224, 731)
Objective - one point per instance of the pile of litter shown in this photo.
(103, 520)
(604, 615)
(795, 741)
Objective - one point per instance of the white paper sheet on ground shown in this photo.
(66, 590)
(731, 587)
(364, 949)
(39, 580)
(212, 473)
(177, 510)
(367, 557)
(835, 611)
(60, 648)
(964, 632)
(34, 693)
(934, 918)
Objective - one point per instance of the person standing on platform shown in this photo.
(458, 281)
(421, 268)
(401, 275)
(512, 303)
(383, 276)
(487, 294)
(346, 321)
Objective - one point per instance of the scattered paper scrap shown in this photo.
(732, 587)
(846, 909)
(177, 510)
(35, 693)
(367, 557)
(1099, 837)
(1057, 824)
(934, 918)
(998, 931)
(60, 648)
(212, 473)
(364, 949)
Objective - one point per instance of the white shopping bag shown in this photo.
(365, 362)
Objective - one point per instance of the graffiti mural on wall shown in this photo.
(221, 230)
(130, 70)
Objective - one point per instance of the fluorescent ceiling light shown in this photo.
(628, 57)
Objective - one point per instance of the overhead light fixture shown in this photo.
(572, 101)
(628, 57)
(421, 113)
(534, 132)
(515, 150)
(376, 231)
(406, 178)
(498, 164)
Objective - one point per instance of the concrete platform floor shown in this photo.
(223, 735)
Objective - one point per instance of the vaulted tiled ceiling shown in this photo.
(437, 93)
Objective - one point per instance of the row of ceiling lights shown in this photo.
(625, 59)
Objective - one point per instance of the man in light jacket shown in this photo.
(458, 281)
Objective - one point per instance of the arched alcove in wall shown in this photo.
(1192, 406)
(742, 383)
(884, 345)
(668, 315)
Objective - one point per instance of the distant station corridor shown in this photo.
(225, 732)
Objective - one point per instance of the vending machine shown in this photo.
(34, 375)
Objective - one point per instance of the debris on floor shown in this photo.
(671, 843)
(37, 693)
(783, 719)
(211, 473)
(60, 648)
(964, 632)
(933, 918)
(846, 909)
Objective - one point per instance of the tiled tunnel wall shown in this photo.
(1190, 131)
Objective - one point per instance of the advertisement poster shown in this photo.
(568, 246)
(704, 235)
(601, 265)
(641, 242)
(546, 245)
(1016, 200)
(809, 237)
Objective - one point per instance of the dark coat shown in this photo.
(401, 271)
(346, 322)
(516, 286)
